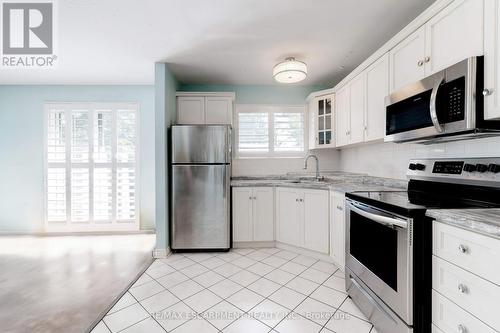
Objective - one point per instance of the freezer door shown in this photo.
(200, 207)
(201, 144)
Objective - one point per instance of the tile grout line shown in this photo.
(241, 269)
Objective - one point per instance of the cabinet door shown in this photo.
(242, 214)
(377, 88)
(263, 214)
(313, 123)
(343, 115)
(288, 217)
(358, 106)
(407, 60)
(492, 59)
(454, 34)
(190, 110)
(337, 228)
(218, 110)
(316, 228)
(325, 122)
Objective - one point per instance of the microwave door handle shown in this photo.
(433, 109)
(387, 221)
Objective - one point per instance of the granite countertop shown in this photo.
(336, 181)
(480, 220)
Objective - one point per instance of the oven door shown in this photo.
(379, 252)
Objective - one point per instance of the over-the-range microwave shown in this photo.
(446, 106)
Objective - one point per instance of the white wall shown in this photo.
(328, 161)
(391, 160)
(22, 140)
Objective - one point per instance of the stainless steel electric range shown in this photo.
(389, 238)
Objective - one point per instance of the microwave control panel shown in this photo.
(451, 99)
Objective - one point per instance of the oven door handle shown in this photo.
(433, 107)
(387, 221)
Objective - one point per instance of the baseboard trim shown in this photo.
(306, 252)
(243, 245)
(161, 253)
(82, 233)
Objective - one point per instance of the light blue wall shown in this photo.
(263, 94)
(22, 141)
(165, 105)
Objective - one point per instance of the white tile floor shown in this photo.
(245, 290)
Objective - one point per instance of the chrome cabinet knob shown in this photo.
(487, 92)
(250, 198)
(462, 329)
(255, 198)
(339, 207)
(427, 59)
(463, 288)
(420, 63)
(463, 249)
(301, 200)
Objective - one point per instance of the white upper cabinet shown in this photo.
(492, 59)
(407, 60)
(358, 108)
(453, 35)
(321, 120)
(343, 115)
(218, 110)
(191, 110)
(377, 88)
(204, 108)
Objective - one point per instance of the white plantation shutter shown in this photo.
(91, 167)
(288, 131)
(270, 131)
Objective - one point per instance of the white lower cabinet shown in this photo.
(302, 218)
(465, 293)
(337, 228)
(253, 214)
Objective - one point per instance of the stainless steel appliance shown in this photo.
(389, 238)
(200, 187)
(446, 106)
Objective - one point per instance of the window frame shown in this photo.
(270, 109)
(91, 225)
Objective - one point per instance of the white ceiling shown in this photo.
(215, 41)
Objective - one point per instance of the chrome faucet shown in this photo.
(318, 177)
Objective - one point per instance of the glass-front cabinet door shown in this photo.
(324, 132)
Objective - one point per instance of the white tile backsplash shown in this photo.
(328, 160)
(390, 159)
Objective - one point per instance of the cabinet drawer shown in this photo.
(467, 290)
(449, 317)
(468, 250)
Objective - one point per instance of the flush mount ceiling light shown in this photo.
(290, 71)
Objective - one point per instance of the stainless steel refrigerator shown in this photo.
(200, 187)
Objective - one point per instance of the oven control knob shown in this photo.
(481, 168)
(469, 167)
(412, 166)
(420, 167)
(495, 168)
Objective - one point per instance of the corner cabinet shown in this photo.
(302, 218)
(321, 120)
(253, 214)
(360, 105)
(337, 228)
(204, 108)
